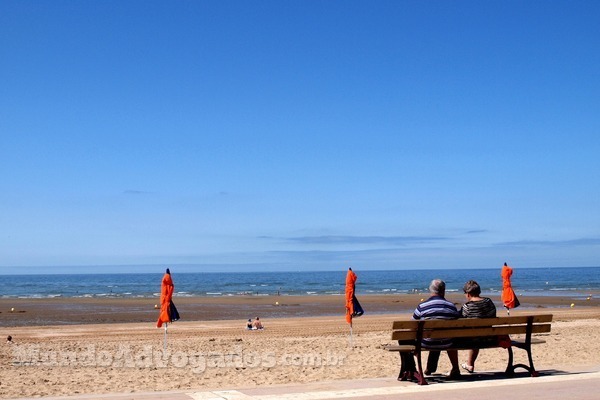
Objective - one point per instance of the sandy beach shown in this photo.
(70, 347)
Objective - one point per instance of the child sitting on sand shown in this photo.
(257, 324)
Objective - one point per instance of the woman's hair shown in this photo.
(472, 288)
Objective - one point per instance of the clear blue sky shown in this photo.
(299, 134)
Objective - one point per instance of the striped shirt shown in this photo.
(436, 307)
(483, 308)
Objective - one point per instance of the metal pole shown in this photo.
(165, 341)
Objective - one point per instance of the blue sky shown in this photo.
(299, 134)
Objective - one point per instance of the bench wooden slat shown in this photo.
(405, 324)
(470, 322)
(473, 322)
(400, 348)
(472, 332)
(487, 331)
(515, 343)
(404, 335)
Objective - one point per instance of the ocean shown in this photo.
(526, 281)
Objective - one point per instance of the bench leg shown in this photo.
(532, 370)
(529, 367)
(419, 374)
(527, 347)
(510, 369)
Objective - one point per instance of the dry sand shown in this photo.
(306, 339)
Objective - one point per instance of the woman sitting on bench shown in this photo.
(476, 307)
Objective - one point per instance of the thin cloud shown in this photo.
(333, 255)
(573, 242)
(476, 231)
(363, 240)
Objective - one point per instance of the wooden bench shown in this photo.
(412, 332)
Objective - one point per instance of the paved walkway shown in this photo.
(551, 385)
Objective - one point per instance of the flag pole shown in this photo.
(351, 344)
(165, 341)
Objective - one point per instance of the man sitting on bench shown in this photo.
(437, 307)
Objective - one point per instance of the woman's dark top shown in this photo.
(483, 308)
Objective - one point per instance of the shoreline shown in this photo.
(83, 311)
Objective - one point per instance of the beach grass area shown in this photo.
(65, 346)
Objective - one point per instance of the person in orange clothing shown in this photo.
(509, 298)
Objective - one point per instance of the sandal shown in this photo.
(468, 368)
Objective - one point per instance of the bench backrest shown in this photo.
(471, 327)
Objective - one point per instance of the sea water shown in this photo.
(533, 281)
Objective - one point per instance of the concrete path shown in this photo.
(550, 385)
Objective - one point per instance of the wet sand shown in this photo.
(68, 311)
